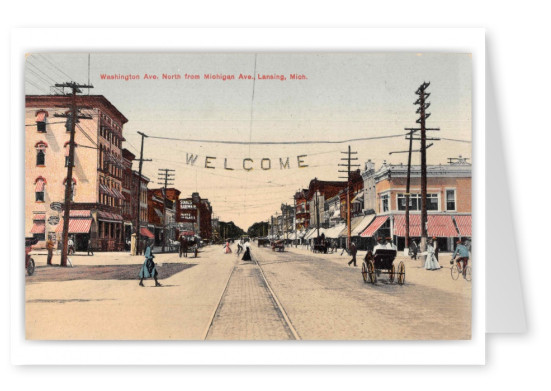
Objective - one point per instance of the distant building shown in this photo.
(195, 214)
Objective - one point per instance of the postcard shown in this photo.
(248, 196)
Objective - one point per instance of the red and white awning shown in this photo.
(374, 226)
(41, 116)
(39, 227)
(39, 216)
(80, 213)
(464, 224)
(440, 226)
(76, 226)
(39, 185)
(147, 233)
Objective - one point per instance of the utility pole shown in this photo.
(165, 175)
(317, 213)
(72, 119)
(348, 177)
(141, 160)
(423, 116)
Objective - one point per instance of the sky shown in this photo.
(343, 96)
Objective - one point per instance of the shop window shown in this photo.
(450, 200)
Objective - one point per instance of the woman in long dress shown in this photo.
(247, 254)
(148, 269)
(431, 263)
(227, 250)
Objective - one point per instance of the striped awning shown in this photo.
(464, 224)
(39, 227)
(440, 226)
(39, 216)
(374, 226)
(41, 116)
(110, 217)
(118, 194)
(76, 226)
(39, 186)
(361, 225)
(145, 232)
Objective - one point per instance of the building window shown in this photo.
(415, 202)
(40, 157)
(450, 200)
(384, 203)
(432, 201)
(40, 184)
(41, 121)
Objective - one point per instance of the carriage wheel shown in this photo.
(391, 274)
(30, 267)
(455, 272)
(364, 271)
(468, 273)
(401, 273)
(371, 272)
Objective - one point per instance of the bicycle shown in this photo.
(456, 270)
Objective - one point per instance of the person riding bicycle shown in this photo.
(463, 253)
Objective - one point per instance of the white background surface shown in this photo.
(517, 38)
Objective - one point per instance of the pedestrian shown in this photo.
(353, 252)
(70, 246)
(90, 249)
(50, 248)
(435, 245)
(227, 249)
(183, 246)
(431, 263)
(247, 253)
(239, 248)
(414, 249)
(148, 268)
(463, 253)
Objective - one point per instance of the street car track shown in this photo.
(273, 297)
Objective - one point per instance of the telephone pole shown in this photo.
(165, 175)
(139, 193)
(349, 159)
(423, 116)
(72, 119)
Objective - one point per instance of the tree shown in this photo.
(258, 229)
(228, 230)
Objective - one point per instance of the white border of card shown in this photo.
(25, 352)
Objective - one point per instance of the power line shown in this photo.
(277, 142)
(56, 67)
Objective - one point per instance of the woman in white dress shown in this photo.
(431, 262)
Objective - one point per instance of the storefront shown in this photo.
(80, 223)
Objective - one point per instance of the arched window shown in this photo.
(40, 184)
(41, 121)
(41, 153)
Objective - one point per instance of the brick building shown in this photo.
(195, 214)
(96, 206)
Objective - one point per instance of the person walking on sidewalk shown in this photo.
(90, 248)
(148, 268)
(353, 252)
(463, 253)
(50, 248)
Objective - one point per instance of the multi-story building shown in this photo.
(195, 214)
(302, 212)
(146, 230)
(318, 192)
(96, 204)
(163, 218)
(448, 202)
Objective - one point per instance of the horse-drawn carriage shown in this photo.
(320, 244)
(263, 242)
(278, 245)
(382, 262)
(29, 262)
